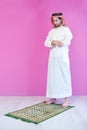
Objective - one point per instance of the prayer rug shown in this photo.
(38, 112)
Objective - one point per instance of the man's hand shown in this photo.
(52, 46)
(56, 42)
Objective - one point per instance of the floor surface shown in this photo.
(73, 119)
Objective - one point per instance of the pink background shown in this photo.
(24, 24)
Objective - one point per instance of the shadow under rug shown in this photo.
(38, 112)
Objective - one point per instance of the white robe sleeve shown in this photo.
(67, 37)
(48, 40)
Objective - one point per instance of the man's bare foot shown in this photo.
(66, 103)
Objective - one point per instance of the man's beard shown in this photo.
(57, 25)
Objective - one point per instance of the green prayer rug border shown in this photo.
(30, 121)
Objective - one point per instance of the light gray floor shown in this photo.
(73, 119)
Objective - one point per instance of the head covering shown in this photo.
(60, 16)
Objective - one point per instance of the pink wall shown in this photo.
(24, 25)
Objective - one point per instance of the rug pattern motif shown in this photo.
(38, 112)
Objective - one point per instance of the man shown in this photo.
(58, 78)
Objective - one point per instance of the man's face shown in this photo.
(56, 22)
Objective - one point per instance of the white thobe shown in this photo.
(58, 76)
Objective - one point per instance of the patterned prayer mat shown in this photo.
(38, 112)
